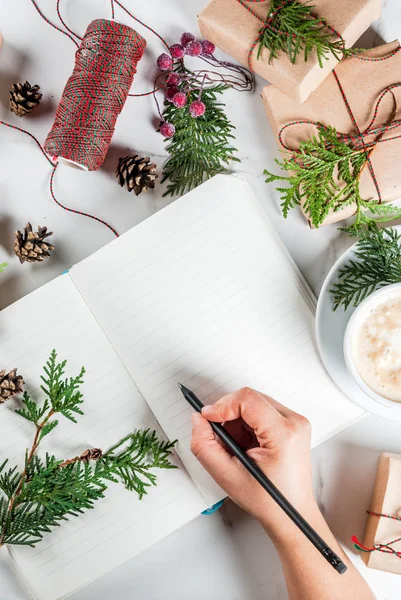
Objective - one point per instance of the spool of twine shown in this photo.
(95, 94)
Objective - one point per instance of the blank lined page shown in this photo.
(203, 293)
(120, 526)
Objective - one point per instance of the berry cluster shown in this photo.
(177, 87)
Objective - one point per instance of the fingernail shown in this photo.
(206, 410)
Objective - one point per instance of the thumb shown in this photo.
(209, 451)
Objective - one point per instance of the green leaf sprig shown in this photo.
(49, 490)
(377, 263)
(324, 176)
(201, 147)
(295, 30)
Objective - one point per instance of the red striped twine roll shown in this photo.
(94, 96)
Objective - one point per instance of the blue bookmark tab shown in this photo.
(212, 509)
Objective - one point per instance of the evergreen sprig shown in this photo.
(2, 267)
(297, 30)
(324, 176)
(201, 147)
(377, 263)
(48, 491)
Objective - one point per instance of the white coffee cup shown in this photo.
(354, 324)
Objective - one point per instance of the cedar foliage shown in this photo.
(324, 176)
(48, 490)
(201, 147)
(2, 267)
(377, 263)
(295, 30)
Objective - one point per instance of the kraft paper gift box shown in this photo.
(234, 29)
(363, 81)
(386, 499)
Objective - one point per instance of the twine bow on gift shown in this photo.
(359, 139)
(385, 548)
(321, 29)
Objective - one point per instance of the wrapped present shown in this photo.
(361, 99)
(381, 547)
(236, 27)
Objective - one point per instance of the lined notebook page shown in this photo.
(120, 526)
(202, 293)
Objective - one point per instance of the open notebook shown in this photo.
(204, 293)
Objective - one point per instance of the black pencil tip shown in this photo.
(180, 385)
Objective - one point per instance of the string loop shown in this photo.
(359, 140)
(385, 548)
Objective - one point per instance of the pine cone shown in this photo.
(93, 454)
(30, 246)
(10, 384)
(24, 98)
(135, 173)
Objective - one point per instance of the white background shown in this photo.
(225, 556)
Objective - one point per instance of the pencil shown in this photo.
(251, 466)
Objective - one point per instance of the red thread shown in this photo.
(65, 24)
(95, 94)
(385, 548)
(72, 210)
(53, 25)
(31, 136)
(359, 140)
(54, 165)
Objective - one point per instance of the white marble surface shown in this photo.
(225, 556)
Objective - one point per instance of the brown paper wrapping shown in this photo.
(363, 81)
(386, 499)
(233, 28)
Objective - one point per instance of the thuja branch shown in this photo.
(295, 30)
(324, 176)
(377, 263)
(2, 267)
(201, 147)
(48, 491)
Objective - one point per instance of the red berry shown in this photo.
(197, 108)
(186, 38)
(173, 79)
(208, 47)
(171, 92)
(177, 51)
(194, 48)
(180, 99)
(165, 62)
(167, 129)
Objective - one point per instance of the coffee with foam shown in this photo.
(376, 348)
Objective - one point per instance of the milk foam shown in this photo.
(376, 348)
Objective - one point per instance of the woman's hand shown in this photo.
(277, 438)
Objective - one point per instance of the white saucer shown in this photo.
(330, 330)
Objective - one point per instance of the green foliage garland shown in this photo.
(297, 30)
(201, 147)
(377, 263)
(49, 490)
(324, 176)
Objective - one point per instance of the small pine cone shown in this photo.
(24, 98)
(134, 173)
(10, 384)
(30, 245)
(92, 454)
